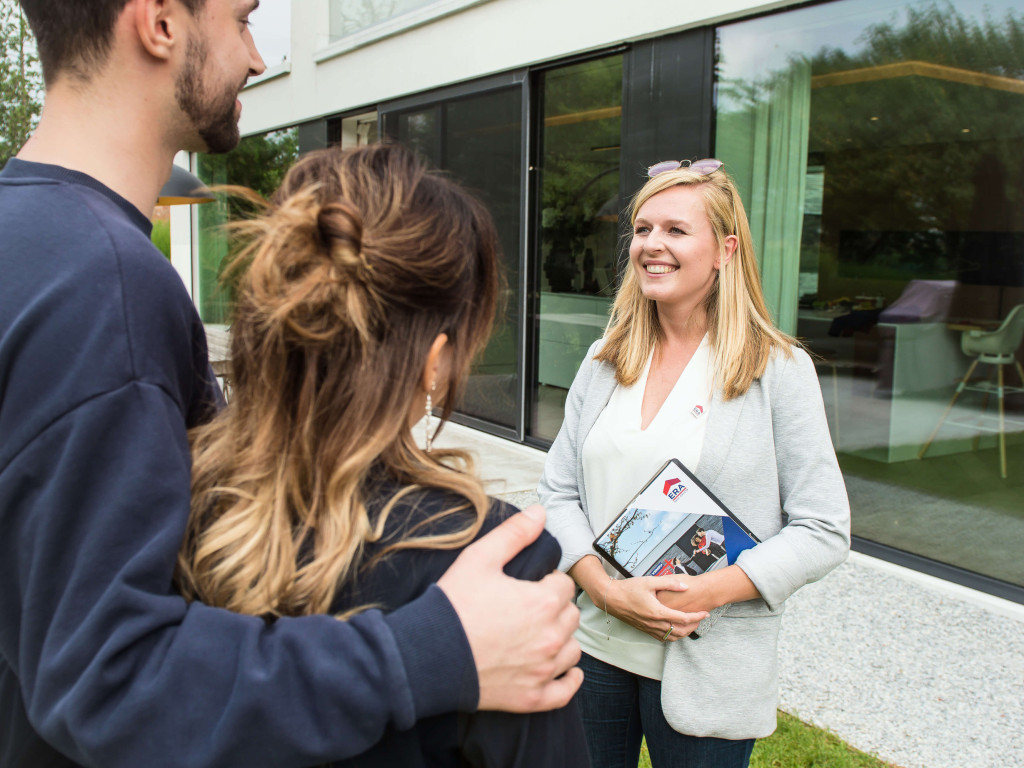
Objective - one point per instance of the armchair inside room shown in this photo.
(997, 348)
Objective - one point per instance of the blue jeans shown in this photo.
(620, 708)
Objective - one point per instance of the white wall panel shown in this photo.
(491, 37)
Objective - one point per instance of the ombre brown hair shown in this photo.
(740, 329)
(360, 261)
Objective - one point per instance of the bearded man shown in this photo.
(103, 368)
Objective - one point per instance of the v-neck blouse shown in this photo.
(618, 458)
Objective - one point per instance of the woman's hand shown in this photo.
(635, 601)
(712, 589)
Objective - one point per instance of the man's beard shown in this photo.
(213, 117)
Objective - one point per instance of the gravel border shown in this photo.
(919, 677)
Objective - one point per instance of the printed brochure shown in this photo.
(674, 525)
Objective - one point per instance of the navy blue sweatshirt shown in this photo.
(103, 366)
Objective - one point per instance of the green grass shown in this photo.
(798, 745)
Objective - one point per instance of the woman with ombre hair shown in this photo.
(365, 288)
(692, 367)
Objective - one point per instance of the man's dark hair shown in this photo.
(74, 36)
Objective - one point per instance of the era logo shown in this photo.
(674, 488)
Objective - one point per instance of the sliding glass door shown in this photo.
(576, 225)
(478, 138)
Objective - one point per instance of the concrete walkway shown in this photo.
(913, 669)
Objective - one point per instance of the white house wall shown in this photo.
(494, 36)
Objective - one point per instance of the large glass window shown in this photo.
(578, 197)
(878, 148)
(375, 18)
(258, 163)
(478, 139)
(348, 16)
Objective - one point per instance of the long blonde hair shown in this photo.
(361, 260)
(740, 329)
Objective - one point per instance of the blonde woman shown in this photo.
(368, 286)
(692, 367)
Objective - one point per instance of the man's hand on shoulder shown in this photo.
(520, 632)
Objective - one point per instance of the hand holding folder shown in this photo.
(674, 525)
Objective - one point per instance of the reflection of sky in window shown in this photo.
(753, 49)
(271, 26)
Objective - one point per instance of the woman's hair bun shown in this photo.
(360, 248)
(340, 228)
(309, 278)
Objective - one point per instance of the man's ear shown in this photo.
(432, 369)
(156, 25)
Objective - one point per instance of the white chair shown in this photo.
(995, 348)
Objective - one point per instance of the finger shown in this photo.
(568, 619)
(508, 539)
(680, 631)
(568, 657)
(681, 618)
(558, 693)
(670, 583)
(559, 584)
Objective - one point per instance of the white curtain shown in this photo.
(764, 146)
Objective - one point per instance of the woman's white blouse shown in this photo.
(618, 458)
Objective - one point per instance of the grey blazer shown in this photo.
(768, 456)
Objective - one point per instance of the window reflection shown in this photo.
(879, 152)
(258, 163)
(478, 140)
(579, 204)
(349, 16)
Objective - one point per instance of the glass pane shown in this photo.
(259, 163)
(579, 204)
(348, 16)
(478, 139)
(878, 149)
(483, 150)
(422, 131)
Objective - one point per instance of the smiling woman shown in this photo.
(692, 368)
(674, 253)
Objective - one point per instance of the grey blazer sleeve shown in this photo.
(560, 487)
(816, 535)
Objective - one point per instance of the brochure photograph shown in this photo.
(673, 525)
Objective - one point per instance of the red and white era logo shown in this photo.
(674, 488)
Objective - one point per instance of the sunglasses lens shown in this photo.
(666, 165)
(704, 167)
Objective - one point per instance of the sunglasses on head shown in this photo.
(703, 167)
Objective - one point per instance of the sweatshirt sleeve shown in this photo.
(116, 669)
(816, 536)
(559, 489)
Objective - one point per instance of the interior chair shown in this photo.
(995, 348)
